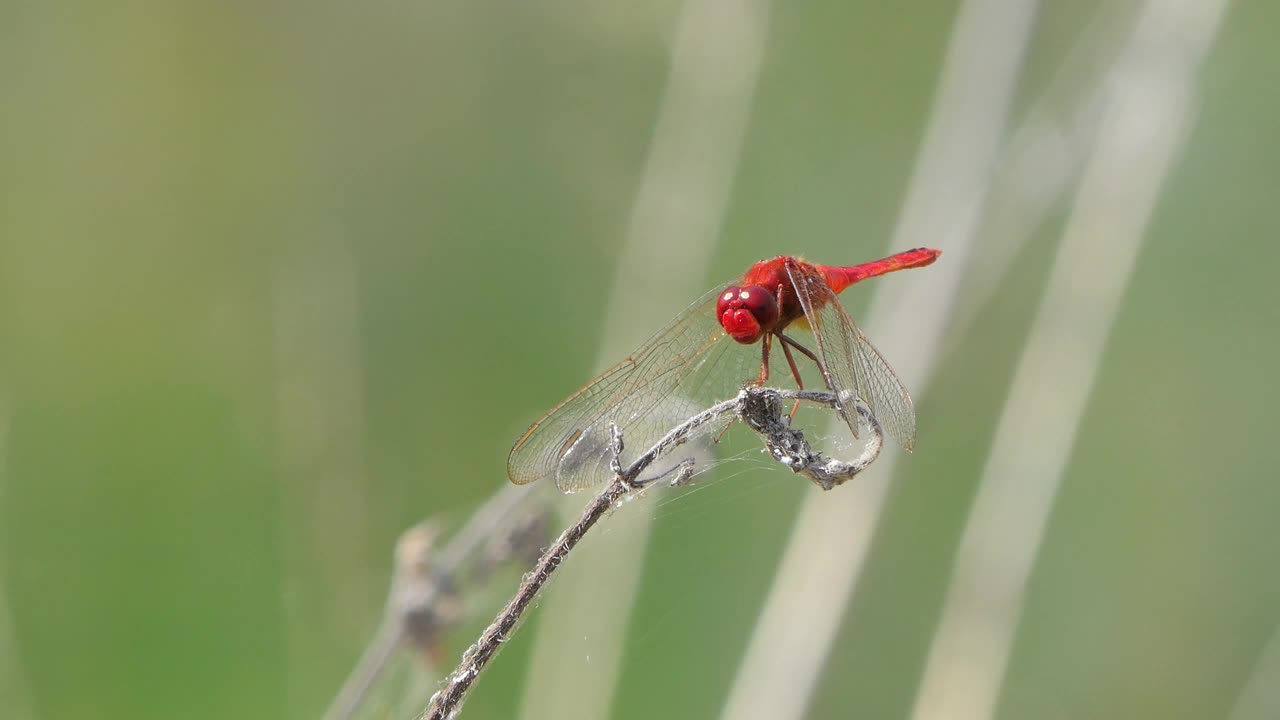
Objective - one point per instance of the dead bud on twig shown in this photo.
(424, 599)
(761, 409)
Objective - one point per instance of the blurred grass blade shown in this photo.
(319, 426)
(675, 221)
(1260, 698)
(813, 586)
(1143, 130)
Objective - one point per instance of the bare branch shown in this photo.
(760, 409)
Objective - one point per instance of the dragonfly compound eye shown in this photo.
(747, 313)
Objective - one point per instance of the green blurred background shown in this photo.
(278, 280)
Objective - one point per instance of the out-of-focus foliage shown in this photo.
(279, 280)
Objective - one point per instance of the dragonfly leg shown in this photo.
(795, 373)
(787, 344)
(764, 362)
(808, 353)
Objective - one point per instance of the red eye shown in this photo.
(747, 313)
(727, 299)
(762, 304)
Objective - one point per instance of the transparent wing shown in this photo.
(685, 368)
(850, 363)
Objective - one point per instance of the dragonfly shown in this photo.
(704, 356)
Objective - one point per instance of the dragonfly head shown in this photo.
(747, 313)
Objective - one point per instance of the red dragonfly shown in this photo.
(689, 365)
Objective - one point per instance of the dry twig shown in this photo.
(761, 409)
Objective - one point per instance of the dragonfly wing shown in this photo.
(686, 367)
(850, 363)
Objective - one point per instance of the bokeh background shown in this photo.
(280, 280)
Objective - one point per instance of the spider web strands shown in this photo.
(812, 588)
(1144, 127)
(679, 208)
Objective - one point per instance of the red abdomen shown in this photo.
(840, 278)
